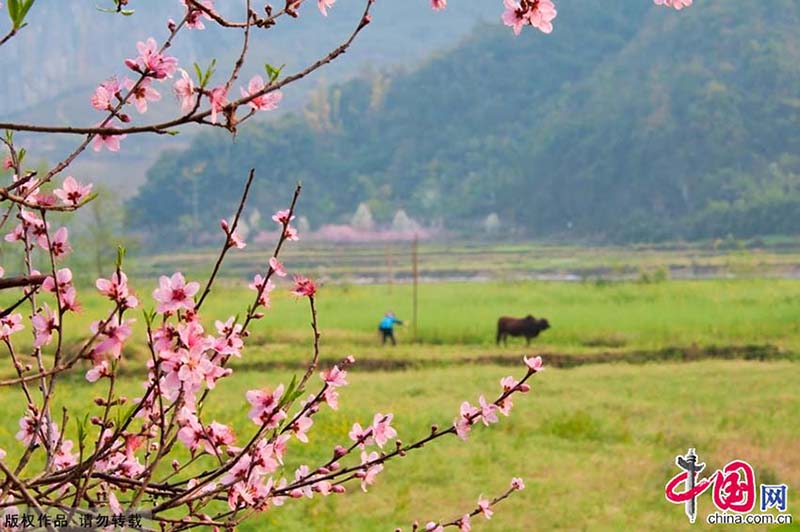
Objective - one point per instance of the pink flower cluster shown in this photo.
(540, 13)
(677, 4)
(536, 13)
(487, 412)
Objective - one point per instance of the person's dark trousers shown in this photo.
(388, 333)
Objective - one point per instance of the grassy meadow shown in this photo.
(595, 444)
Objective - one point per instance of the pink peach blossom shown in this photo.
(465, 419)
(541, 15)
(264, 409)
(234, 238)
(291, 233)
(103, 97)
(488, 411)
(59, 245)
(184, 91)
(301, 427)
(362, 437)
(258, 284)
(113, 336)
(151, 62)
(219, 99)
(514, 16)
(116, 289)
(264, 102)
(174, 293)
(108, 141)
(534, 364)
(98, 371)
(44, 323)
(382, 431)
(324, 5)
(304, 287)
(369, 473)
(9, 325)
(334, 377)
(195, 16)
(72, 192)
(331, 398)
(141, 94)
(283, 217)
(484, 507)
(277, 267)
(677, 4)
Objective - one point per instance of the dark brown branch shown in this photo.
(15, 282)
(226, 246)
(163, 127)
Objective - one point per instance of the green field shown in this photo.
(458, 320)
(595, 444)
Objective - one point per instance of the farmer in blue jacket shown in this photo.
(386, 327)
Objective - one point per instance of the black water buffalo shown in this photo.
(529, 327)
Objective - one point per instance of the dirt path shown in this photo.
(765, 352)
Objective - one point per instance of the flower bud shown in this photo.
(524, 388)
(295, 494)
(338, 488)
(124, 117)
(334, 466)
(339, 451)
(171, 25)
(176, 465)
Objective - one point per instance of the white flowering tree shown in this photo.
(128, 459)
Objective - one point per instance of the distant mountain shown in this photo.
(634, 124)
(70, 46)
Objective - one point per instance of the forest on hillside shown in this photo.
(600, 130)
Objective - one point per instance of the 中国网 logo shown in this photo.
(733, 490)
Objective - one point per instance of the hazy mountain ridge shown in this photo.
(70, 45)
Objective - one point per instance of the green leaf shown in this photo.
(199, 73)
(125, 418)
(120, 256)
(26, 6)
(17, 10)
(209, 72)
(149, 317)
(272, 72)
(291, 393)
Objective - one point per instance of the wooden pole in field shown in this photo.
(389, 273)
(415, 275)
